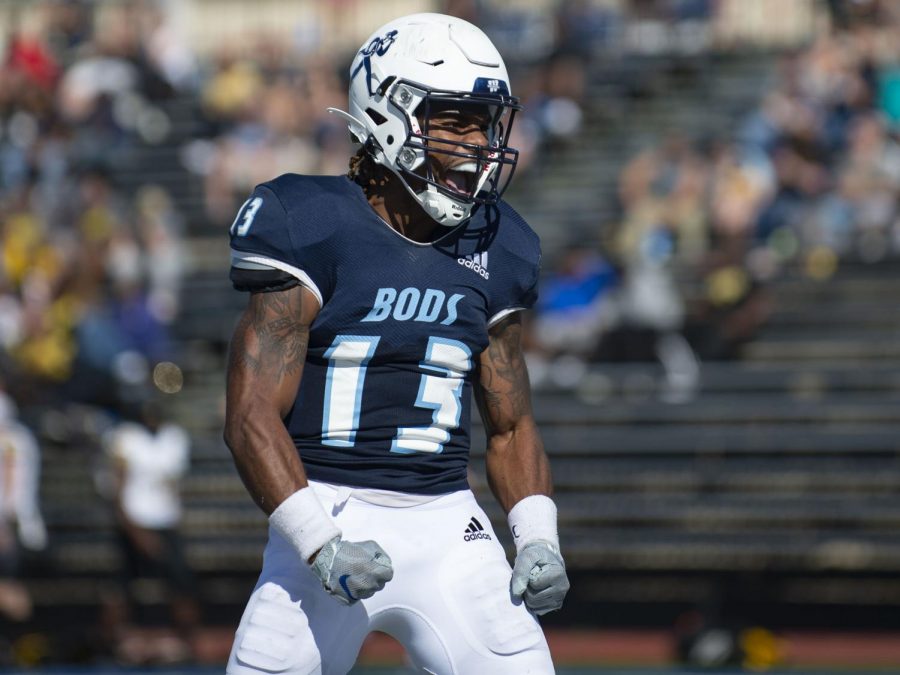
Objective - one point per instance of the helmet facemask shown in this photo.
(481, 173)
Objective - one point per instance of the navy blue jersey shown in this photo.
(385, 397)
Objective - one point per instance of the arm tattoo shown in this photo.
(280, 340)
(505, 390)
(239, 356)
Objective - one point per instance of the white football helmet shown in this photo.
(411, 67)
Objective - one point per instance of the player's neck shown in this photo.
(403, 213)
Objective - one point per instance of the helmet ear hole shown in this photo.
(376, 117)
(390, 140)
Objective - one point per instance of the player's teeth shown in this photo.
(466, 167)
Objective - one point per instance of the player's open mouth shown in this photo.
(461, 178)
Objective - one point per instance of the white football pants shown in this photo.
(448, 604)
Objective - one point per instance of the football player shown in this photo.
(378, 302)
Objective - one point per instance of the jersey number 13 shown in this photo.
(445, 366)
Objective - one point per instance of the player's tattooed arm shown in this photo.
(517, 465)
(265, 364)
(271, 338)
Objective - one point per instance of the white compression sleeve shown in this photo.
(533, 518)
(302, 521)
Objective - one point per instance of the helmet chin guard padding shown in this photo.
(410, 69)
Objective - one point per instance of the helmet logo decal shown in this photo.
(485, 85)
(377, 47)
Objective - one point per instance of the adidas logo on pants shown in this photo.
(475, 531)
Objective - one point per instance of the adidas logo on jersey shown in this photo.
(477, 262)
(475, 531)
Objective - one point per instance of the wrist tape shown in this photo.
(303, 523)
(531, 519)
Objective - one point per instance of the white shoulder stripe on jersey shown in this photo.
(499, 316)
(250, 261)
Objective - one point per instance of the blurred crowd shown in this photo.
(91, 260)
(90, 270)
(805, 181)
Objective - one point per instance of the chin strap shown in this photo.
(440, 208)
(434, 207)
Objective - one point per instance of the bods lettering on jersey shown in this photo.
(411, 304)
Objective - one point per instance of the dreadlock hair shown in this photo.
(365, 171)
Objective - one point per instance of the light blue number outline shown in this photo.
(436, 407)
(372, 341)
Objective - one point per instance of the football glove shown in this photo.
(539, 577)
(351, 570)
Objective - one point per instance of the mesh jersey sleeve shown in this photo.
(522, 295)
(518, 268)
(269, 248)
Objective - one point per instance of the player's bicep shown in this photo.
(268, 348)
(503, 393)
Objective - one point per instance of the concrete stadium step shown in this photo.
(885, 329)
(85, 592)
(850, 318)
(739, 409)
(822, 350)
(733, 511)
(774, 441)
(855, 295)
(791, 478)
(102, 556)
(857, 314)
(769, 550)
(796, 379)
